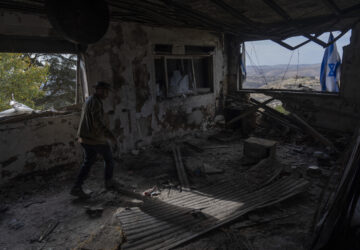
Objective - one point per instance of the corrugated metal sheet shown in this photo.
(166, 224)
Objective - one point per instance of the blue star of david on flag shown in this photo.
(330, 68)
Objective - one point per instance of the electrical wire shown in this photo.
(258, 61)
(297, 67)
(287, 67)
(257, 68)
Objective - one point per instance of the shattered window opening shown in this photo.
(178, 75)
(270, 67)
(32, 83)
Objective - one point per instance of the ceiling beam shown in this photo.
(286, 17)
(332, 6)
(234, 12)
(23, 7)
(142, 10)
(215, 24)
(281, 12)
(173, 13)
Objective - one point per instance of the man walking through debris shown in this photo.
(93, 136)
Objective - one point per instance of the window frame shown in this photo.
(165, 57)
(80, 92)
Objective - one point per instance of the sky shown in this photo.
(267, 52)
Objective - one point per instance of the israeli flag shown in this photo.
(330, 68)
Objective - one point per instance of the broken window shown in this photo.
(270, 66)
(183, 70)
(37, 81)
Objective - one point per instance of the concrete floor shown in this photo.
(37, 201)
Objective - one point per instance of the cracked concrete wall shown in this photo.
(124, 58)
(38, 144)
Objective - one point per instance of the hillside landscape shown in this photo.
(301, 77)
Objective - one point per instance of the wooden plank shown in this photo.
(248, 112)
(235, 13)
(332, 6)
(308, 128)
(180, 168)
(313, 132)
(274, 114)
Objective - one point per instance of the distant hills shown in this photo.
(258, 75)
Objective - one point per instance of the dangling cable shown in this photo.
(287, 67)
(297, 67)
(257, 68)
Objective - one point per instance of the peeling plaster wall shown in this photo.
(124, 58)
(38, 144)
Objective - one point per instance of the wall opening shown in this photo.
(183, 70)
(271, 66)
(39, 81)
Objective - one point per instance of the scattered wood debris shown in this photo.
(33, 202)
(248, 112)
(293, 118)
(50, 228)
(275, 115)
(312, 131)
(180, 168)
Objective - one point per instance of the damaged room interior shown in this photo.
(177, 124)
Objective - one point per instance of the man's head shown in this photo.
(102, 89)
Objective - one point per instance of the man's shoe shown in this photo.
(79, 192)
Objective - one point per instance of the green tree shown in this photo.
(61, 83)
(23, 78)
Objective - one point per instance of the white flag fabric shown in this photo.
(330, 68)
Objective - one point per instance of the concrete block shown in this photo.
(259, 148)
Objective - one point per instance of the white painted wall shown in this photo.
(38, 144)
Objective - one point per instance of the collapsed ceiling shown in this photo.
(249, 19)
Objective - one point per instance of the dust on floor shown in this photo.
(41, 214)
